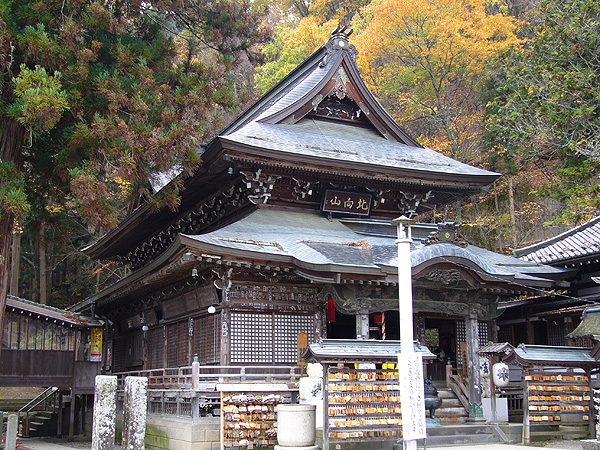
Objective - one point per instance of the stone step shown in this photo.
(451, 403)
(451, 412)
(467, 429)
(461, 439)
(446, 393)
(452, 421)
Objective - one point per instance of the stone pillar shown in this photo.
(105, 411)
(362, 326)
(134, 413)
(475, 403)
(11, 432)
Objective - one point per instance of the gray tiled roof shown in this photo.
(336, 142)
(545, 355)
(578, 243)
(347, 143)
(342, 350)
(312, 241)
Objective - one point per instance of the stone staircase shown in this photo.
(43, 424)
(456, 435)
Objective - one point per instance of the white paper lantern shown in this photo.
(500, 374)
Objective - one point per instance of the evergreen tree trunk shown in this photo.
(15, 265)
(500, 243)
(513, 219)
(43, 266)
(12, 136)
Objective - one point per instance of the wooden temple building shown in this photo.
(285, 228)
(551, 319)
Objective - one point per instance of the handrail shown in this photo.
(42, 397)
(181, 377)
(458, 385)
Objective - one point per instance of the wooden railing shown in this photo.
(170, 390)
(208, 376)
(458, 384)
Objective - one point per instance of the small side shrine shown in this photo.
(360, 388)
(46, 346)
(558, 398)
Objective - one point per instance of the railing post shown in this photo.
(195, 406)
(195, 373)
(448, 375)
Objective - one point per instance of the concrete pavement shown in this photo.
(85, 444)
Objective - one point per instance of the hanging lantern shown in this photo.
(330, 310)
(500, 374)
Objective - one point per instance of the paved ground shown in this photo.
(52, 443)
(84, 443)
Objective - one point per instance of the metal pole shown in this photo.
(411, 381)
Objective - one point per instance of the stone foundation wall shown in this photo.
(172, 433)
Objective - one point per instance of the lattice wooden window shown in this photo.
(484, 332)
(505, 334)
(251, 338)
(119, 354)
(207, 341)
(461, 337)
(286, 330)
(177, 344)
(267, 338)
(556, 333)
(155, 341)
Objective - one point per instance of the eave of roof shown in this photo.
(552, 356)
(331, 351)
(576, 245)
(50, 312)
(311, 242)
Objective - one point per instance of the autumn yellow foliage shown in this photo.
(428, 60)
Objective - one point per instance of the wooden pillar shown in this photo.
(59, 420)
(81, 414)
(190, 351)
(472, 335)
(225, 358)
(72, 416)
(325, 406)
(530, 333)
(592, 411)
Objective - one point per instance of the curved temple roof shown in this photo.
(314, 242)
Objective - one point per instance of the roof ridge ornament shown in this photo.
(447, 232)
(338, 41)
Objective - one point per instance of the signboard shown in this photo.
(412, 396)
(96, 345)
(302, 346)
(346, 202)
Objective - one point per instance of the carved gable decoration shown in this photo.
(447, 232)
(341, 108)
